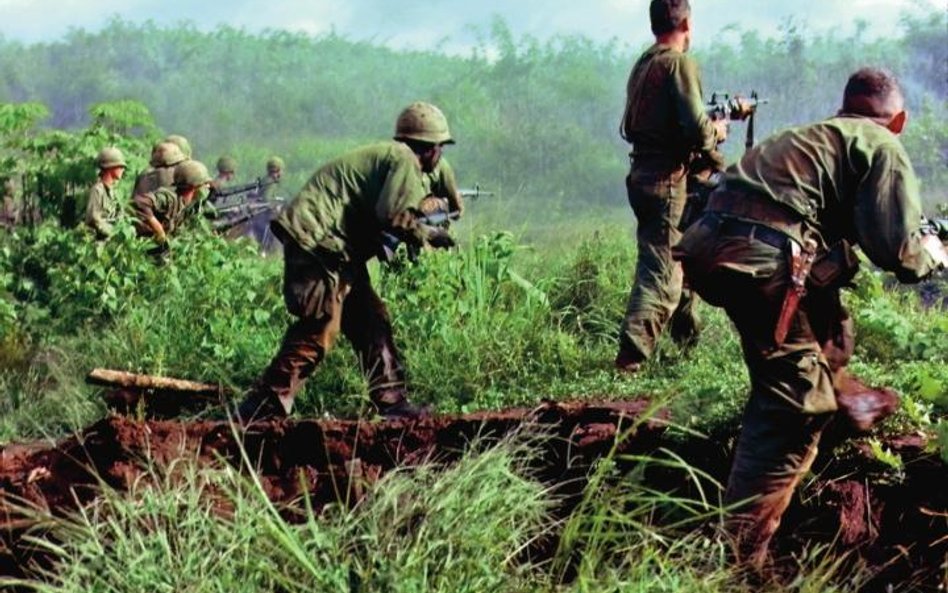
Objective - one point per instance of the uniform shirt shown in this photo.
(10, 211)
(350, 201)
(165, 205)
(270, 191)
(851, 179)
(665, 114)
(442, 183)
(153, 178)
(102, 209)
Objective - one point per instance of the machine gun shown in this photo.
(224, 218)
(724, 106)
(390, 242)
(220, 197)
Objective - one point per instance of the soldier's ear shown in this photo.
(898, 121)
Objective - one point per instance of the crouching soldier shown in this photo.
(329, 231)
(103, 208)
(773, 249)
(161, 212)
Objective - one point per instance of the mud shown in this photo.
(899, 526)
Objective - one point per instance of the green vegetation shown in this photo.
(526, 309)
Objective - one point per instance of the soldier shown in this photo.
(11, 210)
(103, 208)
(271, 180)
(165, 156)
(666, 123)
(329, 231)
(226, 170)
(805, 195)
(161, 212)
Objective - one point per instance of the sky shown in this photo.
(451, 25)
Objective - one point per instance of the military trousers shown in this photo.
(792, 395)
(327, 299)
(657, 195)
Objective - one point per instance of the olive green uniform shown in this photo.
(11, 211)
(442, 183)
(666, 123)
(329, 231)
(165, 205)
(844, 181)
(102, 210)
(154, 178)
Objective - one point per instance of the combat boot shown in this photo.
(404, 410)
(628, 361)
(257, 408)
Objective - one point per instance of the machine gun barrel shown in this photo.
(725, 106)
(474, 193)
(256, 186)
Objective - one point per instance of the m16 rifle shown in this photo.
(474, 193)
(724, 106)
(390, 242)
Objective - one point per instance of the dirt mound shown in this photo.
(897, 524)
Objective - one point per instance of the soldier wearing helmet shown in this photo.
(165, 156)
(333, 226)
(161, 212)
(269, 183)
(226, 170)
(102, 207)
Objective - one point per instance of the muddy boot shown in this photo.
(628, 361)
(862, 407)
(256, 408)
(403, 409)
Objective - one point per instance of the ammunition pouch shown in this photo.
(835, 268)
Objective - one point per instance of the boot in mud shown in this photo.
(862, 407)
(258, 408)
(404, 410)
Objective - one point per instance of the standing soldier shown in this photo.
(226, 170)
(161, 212)
(11, 210)
(666, 123)
(165, 156)
(329, 231)
(773, 249)
(103, 208)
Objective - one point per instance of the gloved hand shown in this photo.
(439, 238)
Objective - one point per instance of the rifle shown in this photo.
(390, 242)
(474, 193)
(724, 106)
(227, 217)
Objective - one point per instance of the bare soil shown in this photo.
(898, 524)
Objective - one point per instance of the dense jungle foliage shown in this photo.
(527, 307)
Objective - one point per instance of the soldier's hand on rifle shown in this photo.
(720, 130)
(433, 204)
(439, 238)
(743, 108)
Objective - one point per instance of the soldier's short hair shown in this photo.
(668, 15)
(873, 92)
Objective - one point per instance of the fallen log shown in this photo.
(124, 379)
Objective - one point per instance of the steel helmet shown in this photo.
(181, 142)
(423, 122)
(226, 164)
(110, 157)
(191, 174)
(166, 154)
(275, 163)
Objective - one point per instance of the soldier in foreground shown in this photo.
(103, 208)
(666, 123)
(161, 212)
(329, 231)
(773, 249)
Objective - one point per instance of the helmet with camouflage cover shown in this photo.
(226, 164)
(166, 154)
(274, 164)
(181, 142)
(191, 174)
(423, 122)
(110, 157)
